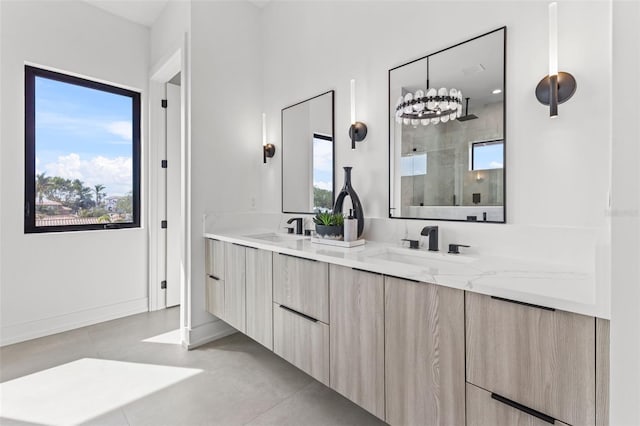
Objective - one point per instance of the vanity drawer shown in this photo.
(302, 285)
(214, 258)
(303, 341)
(485, 409)
(539, 357)
(214, 296)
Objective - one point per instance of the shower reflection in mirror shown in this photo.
(446, 138)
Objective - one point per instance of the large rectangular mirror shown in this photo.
(308, 155)
(447, 133)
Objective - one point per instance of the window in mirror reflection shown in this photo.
(322, 172)
(487, 155)
(413, 165)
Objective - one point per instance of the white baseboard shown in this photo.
(16, 333)
(207, 332)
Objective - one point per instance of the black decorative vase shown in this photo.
(347, 189)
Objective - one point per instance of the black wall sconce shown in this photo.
(357, 130)
(268, 149)
(557, 87)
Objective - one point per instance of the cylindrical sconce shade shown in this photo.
(553, 38)
(353, 101)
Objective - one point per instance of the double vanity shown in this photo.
(416, 337)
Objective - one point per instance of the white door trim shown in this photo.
(169, 66)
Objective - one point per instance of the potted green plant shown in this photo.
(329, 225)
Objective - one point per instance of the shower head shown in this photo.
(466, 115)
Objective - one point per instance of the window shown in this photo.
(82, 154)
(487, 155)
(322, 172)
(413, 165)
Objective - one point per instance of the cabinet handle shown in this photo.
(297, 257)
(293, 311)
(531, 305)
(523, 408)
(240, 245)
(404, 279)
(214, 277)
(364, 270)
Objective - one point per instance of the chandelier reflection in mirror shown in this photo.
(430, 106)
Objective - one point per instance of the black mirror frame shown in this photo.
(333, 159)
(504, 127)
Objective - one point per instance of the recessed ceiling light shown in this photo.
(496, 91)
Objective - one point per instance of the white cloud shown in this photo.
(322, 155)
(323, 185)
(495, 165)
(114, 173)
(121, 128)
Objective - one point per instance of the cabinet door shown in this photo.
(356, 335)
(424, 350)
(214, 258)
(260, 296)
(483, 410)
(602, 372)
(214, 293)
(302, 284)
(303, 341)
(539, 357)
(234, 286)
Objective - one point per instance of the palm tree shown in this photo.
(99, 194)
(42, 185)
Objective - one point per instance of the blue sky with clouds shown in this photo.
(85, 134)
(323, 164)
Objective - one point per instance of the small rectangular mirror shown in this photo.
(446, 133)
(308, 155)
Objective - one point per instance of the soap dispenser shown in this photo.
(350, 227)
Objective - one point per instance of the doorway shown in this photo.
(171, 168)
(168, 213)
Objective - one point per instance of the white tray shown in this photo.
(338, 243)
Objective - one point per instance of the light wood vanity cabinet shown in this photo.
(538, 357)
(214, 258)
(424, 352)
(259, 288)
(214, 280)
(356, 300)
(239, 288)
(214, 296)
(235, 286)
(303, 341)
(414, 353)
(302, 285)
(483, 410)
(301, 314)
(602, 372)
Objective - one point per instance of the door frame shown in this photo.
(166, 68)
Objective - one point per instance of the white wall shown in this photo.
(558, 171)
(226, 141)
(57, 281)
(310, 47)
(625, 217)
(168, 31)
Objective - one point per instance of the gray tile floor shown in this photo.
(107, 374)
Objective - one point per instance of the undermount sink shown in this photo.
(275, 237)
(419, 257)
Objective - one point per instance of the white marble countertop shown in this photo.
(543, 284)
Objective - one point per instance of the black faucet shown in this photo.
(298, 224)
(432, 233)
